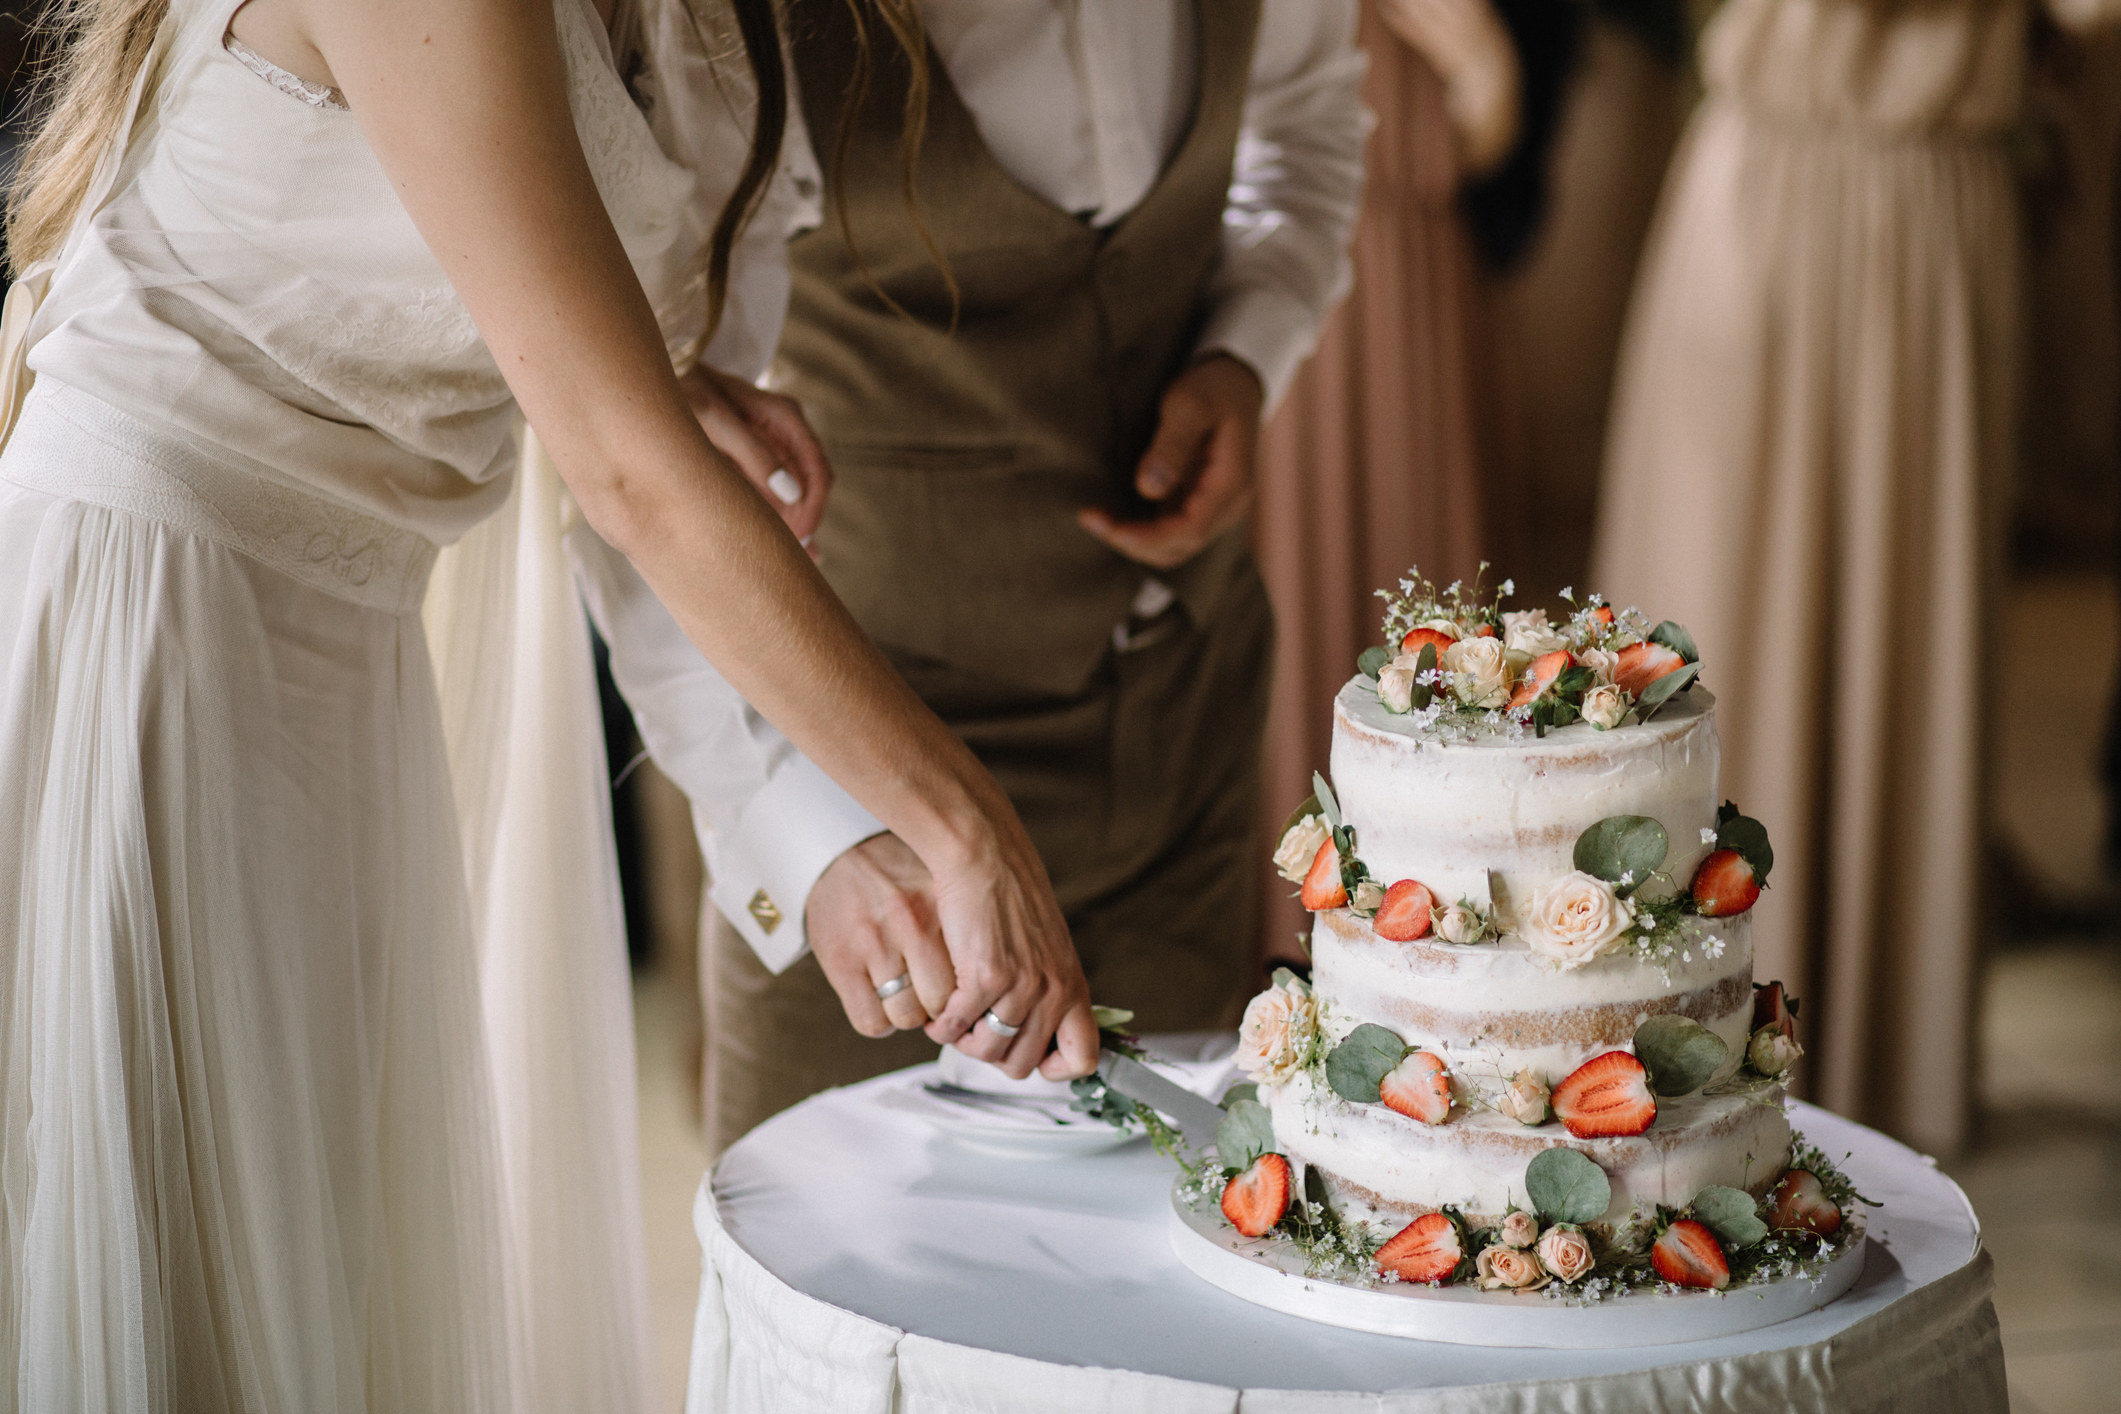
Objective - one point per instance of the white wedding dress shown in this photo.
(315, 1049)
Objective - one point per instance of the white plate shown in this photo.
(998, 1130)
(1270, 1273)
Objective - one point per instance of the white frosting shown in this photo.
(1497, 1008)
(1448, 813)
(1382, 1166)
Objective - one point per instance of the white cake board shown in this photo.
(1270, 1272)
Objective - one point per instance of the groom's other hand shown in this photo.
(871, 917)
(1199, 469)
(770, 441)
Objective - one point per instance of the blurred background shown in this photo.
(1524, 262)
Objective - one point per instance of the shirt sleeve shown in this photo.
(769, 821)
(1294, 192)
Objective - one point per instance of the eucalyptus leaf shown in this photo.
(1680, 1053)
(1327, 802)
(1359, 1064)
(1372, 661)
(1242, 1090)
(1566, 1187)
(1247, 1131)
(1664, 690)
(1296, 816)
(1731, 1214)
(1749, 837)
(1424, 693)
(1631, 846)
(1676, 638)
(1574, 683)
(1283, 977)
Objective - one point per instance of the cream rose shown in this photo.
(1395, 684)
(1276, 1034)
(1566, 1252)
(1605, 706)
(1460, 923)
(1369, 896)
(1773, 1053)
(1575, 919)
(1525, 1099)
(1602, 662)
(1519, 1229)
(1501, 1268)
(1299, 847)
(1479, 670)
(1528, 633)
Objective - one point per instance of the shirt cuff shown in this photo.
(1270, 330)
(764, 869)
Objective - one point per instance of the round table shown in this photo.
(857, 1260)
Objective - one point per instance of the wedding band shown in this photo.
(892, 988)
(1000, 1027)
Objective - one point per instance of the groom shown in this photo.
(1043, 446)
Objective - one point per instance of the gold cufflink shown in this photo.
(762, 908)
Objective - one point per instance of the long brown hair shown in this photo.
(903, 19)
(101, 45)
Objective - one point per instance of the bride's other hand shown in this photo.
(770, 441)
(1465, 42)
(871, 920)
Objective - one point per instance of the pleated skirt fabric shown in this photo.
(247, 1142)
(1807, 466)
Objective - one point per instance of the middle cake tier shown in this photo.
(1495, 1009)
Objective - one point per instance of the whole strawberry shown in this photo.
(1724, 885)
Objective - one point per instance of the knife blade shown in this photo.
(1196, 1116)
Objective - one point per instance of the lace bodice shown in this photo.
(254, 280)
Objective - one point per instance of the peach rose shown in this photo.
(1299, 846)
(1277, 1033)
(1479, 672)
(1519, 1229)
(1530, 635)
(1603, 663)
(1574, 919)
(1500, 1268)
(1566, 1252)
(1525, 1099)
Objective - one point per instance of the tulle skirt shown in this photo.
(249, 1157)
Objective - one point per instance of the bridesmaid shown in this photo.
(300, 262)
(1807, 465)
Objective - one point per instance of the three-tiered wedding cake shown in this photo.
(1531, 1050)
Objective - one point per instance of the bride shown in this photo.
(290, 269)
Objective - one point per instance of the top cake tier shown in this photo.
(1456, 814)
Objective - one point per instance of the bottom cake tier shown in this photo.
(1381, 1167)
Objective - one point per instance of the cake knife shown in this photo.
(1196, 1116)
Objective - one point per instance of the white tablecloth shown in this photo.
(856, 1262)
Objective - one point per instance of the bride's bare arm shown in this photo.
(465, 104)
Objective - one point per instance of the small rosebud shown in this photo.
(1369, 896)
(1772, 1053)
(1525, 1099)
(1519, 1229)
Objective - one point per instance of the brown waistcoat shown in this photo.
(964, 454)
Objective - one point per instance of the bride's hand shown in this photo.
(770, 441)
(1467, 45)
(1013, 957)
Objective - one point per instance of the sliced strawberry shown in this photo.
(1688, 1254)
(1419, 1087)
(1773, 1006)
(1540, 676)
(1322, 886)
(1407, 912)
(1799, 1204)
(1416, 637)
(1426, 1249)
(1724, 885)
(1256, 1199)
(1487, 631)
(1607, 1096)
(1642, 664)
(1603, 613)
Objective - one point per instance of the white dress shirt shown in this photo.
(1084, 101)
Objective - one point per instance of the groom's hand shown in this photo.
(1199, 468)
(871, 917)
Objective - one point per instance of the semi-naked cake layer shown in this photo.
(1449, 813)
(1384, 1168)
(1495, 1009)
